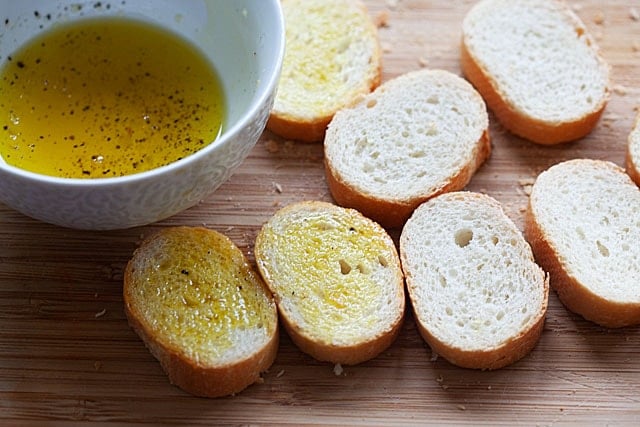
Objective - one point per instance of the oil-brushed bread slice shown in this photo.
(332, 57)
(479, 298)
(202, 310)
(583, 224)
(336, 278)
(536, 66)
(419, 135)
(633, 152)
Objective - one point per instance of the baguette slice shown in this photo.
(416, 136)
(583, 224)
(202, 311)
(478, 297)
(633, 152)
(536, 67)
(336, 278)
(332, 57)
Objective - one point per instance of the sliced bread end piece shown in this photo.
(583, 223)
(478, 297)
(421, 134)
(336, 278)
(332, 58)
(201, 310)
(537, 68)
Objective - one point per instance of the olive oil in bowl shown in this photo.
(106, 97)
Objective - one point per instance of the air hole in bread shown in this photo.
(625, 247)
(460, 323)
(579, 32)
(449, 311)
(362, 268)
(500, 315)
(495, 240)
(580, 233)
(463, 237)
(604, 251)
(418, 154)
(443, 281)
(432, 130)
(383, 261)
(433, 99)
(345, 268)
(371, 103)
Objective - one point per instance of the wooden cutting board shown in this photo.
(68, 357)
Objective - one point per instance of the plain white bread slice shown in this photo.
(416, 136)
(332, 57)
(202, 311)
(583, 224)
(336, 278)
(478, 297)
(633, 152)
(536, 66)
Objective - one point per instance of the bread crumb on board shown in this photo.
(527, 185)
(280, 373)
(634, 14)
(392, 3)
(337, 369)
(382, 19)
(100, 313)
(598, 18)
(423, 62)
(277, 187)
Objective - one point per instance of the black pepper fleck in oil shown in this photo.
(106, 97)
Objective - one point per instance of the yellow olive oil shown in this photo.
(106, 97)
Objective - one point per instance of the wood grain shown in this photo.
(68, 357)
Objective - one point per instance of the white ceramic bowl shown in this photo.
(244, 39)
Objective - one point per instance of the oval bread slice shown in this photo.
(416, 136)
(583, 223)
(336, 278)
(202, 311)
(633, 152)
(478, 297)
(537, 68)
(332, 57)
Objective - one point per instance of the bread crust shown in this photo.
(575, 296)
(516, 121)
(394, 213)
(631, 163)
(193, 376)
(295, 126)
(349, 353)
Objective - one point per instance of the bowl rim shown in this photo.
(256, 104)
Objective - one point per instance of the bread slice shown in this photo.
(583, 224)
(419, 135)
(336, 278)
(332, 57)
(478, 297)
(537, 68)
(202, 311)
(633, 152)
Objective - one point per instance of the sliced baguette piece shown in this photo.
(332, 57)
(479, 298)
(202, 310)
(633, 152)
(537, 68)
(336, 278)
(583, 223)
(419, 135)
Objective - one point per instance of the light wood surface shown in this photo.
(68, 357)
